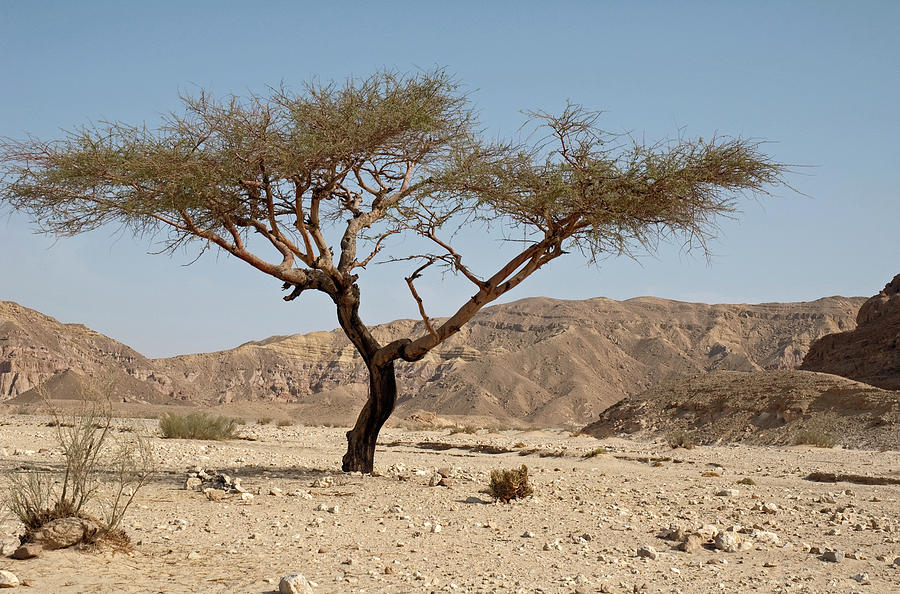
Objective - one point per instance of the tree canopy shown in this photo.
(309, 186)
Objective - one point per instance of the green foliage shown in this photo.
(198, 426)
(507, 485)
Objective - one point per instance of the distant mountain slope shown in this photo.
(536, 361)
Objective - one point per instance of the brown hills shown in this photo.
(871, 352)
(536, 361)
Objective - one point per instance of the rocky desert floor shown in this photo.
(594, 524)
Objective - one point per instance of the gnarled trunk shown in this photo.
(361, 439)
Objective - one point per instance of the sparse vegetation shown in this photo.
(507, 485)
(284, 423)
(595, 452)
(680, 439)
(264, 420)
(198, 426)
(101, 472)
(815, 436)
(467, 429)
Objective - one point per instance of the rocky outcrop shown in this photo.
(536, 361)
(770, 407)
(869, 353)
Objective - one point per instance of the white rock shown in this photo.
(294, 583)
(729, 542)
(765, 536)
(728, 493)
(8, 579)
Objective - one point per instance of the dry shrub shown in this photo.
(595, 452)
(680, 439)
(507, 485)
(264, 420)
(815, 437)
(102, 471)
(284, 423)
(468, 429)
(198, 426)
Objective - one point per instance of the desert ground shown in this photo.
(581, 530)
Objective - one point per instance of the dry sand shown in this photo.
(580, 532)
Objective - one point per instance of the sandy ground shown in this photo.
(580, 532)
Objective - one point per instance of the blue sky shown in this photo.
(818, 80)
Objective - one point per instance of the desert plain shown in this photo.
(606, 515)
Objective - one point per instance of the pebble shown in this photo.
(860, 577)
(8, 546)
(833, 555)
(294, 583)
(214, 494)
(192, 482)
(8, 579)
(691, 543)
(729, 542)
(27, 551)
(728, 493)
(647, 552)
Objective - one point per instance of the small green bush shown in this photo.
(681, 439)
(815, 437)
(198, 426)
(507, 485)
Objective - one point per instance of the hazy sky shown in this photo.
(819, 80)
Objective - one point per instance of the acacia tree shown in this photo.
(321, 179)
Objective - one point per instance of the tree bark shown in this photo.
(361, 439)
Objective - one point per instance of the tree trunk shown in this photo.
(361, 439)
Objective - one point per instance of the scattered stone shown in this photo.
(673, 532)
(294, 583)
(246, 496)
(27, 551)
(64, 532)
(708, 531)
(275, 491)
(436, 528)
(193, 555)
(730, 542)
(860, 577)
(833, 555)
(324, 482)
(857, 555)
(445, 482)
(728, 493)
(770, 564)
(8, 579)
(764, 536)
(647, 552)
(692, 543)
(444, 472)
(528, 534)
(553, 546)
(897, 562)
(192, 483)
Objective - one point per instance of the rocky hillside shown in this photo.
(772, 407)
(535, 361)
(871, 352)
